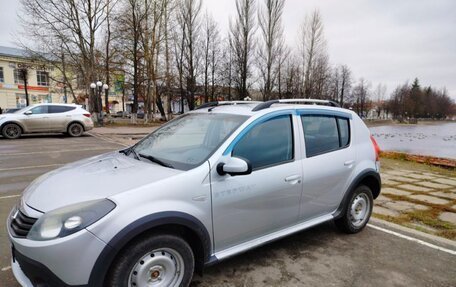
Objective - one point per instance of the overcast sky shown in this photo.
(383, 41)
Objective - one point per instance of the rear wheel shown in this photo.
(159, 260)
(358, 210)
(11, 131)
(75, 130)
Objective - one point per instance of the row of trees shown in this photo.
(163, 48)
(414, 101)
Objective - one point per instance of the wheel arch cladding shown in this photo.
(185, 225)
(370, 178)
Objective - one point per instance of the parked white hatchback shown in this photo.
(206, 186)
(46, 118)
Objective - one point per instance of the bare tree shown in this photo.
(108, 54)
(210, 53)
(379, 97)
(130, 25)
(179, 50)
(215, 62)
(242, 31)
(271, 44)
(152, 39)
(73, 24)
(340, 84)
(313, 51)
(190, 25)
(226, 71)
(167, 25)
(345, 83)
(361, 93)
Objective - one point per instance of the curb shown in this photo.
(447, 243)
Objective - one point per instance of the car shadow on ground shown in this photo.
(237, 269)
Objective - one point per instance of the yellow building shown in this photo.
(13, 62)
(40, 86)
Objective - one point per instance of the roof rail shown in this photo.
(225, 103)
(268, 104)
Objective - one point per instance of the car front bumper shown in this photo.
(66, 261)
(20, 276)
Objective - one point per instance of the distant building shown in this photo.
(41, 84)
(12, 86)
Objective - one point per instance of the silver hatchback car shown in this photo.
(215, 182)
(46, 118)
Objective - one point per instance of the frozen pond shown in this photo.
(425, 139)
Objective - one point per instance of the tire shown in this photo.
(153, 259)
(357, 211)
(11, 131)
(75, 130)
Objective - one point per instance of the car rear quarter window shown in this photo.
(324, 133)
(60, 109)
(268, 143)
(344, 131)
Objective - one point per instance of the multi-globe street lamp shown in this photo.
(96, 93)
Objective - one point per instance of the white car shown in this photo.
(46, 118)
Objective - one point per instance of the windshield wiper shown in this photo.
(156, 160)
(130, 150)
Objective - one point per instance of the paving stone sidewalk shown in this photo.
(421, 200)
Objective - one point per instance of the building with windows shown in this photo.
(20, 72)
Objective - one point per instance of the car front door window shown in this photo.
(39, 110)
(268, 143)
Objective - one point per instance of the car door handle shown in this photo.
(293, 179)
(349, 162)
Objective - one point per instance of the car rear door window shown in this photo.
(324, 133)
(59, 109)
(268, 143)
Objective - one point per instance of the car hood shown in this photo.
(9, 116)
(93, 178)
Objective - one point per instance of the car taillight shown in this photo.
(87, 115)
(376, 148)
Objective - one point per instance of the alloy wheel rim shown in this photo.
(12, 131)
(75, 130)
(359, 210)
(161, 267)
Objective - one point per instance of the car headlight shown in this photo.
(69, 219)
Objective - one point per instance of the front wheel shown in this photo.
(357, 211)
(11, 131)
(159, 260)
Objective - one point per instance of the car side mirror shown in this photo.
(234, 166)
(28, 113)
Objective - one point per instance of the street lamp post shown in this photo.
(106, 90)
(96, 92)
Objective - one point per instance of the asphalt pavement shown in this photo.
(320, 256)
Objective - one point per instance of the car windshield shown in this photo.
(189, 140)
